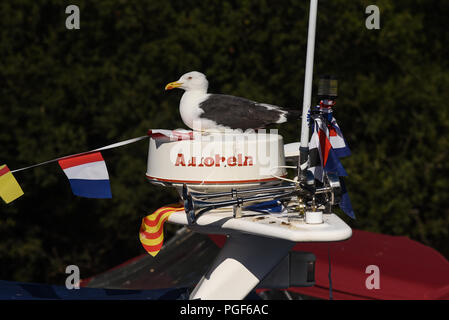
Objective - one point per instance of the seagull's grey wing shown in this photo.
(239, 113)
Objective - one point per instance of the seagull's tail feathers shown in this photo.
(289, 115)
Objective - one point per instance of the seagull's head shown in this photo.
(190, 81)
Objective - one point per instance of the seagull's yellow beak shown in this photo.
(173, 85)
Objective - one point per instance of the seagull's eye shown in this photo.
(190, 78)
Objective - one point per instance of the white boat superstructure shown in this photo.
(222, 176)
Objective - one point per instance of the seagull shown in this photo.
(202, 111)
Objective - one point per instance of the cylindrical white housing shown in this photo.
(217, 161)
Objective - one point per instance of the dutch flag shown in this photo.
(88, 175)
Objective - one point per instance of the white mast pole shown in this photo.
(304, 146)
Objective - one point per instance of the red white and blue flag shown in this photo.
(326, 146)
(88, 175)
(337, 140)
(330, 156)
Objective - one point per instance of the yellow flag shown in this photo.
(9, 188)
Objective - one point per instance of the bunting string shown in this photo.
(86, 171)
(111, 146)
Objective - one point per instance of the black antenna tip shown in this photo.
(328, 87)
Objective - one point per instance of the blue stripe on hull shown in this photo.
(100, 189)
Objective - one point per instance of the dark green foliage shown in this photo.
(67, 91)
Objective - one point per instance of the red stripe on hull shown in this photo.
(213, 182)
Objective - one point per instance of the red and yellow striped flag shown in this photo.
(151, 232)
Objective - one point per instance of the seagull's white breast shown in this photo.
(190, 110)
